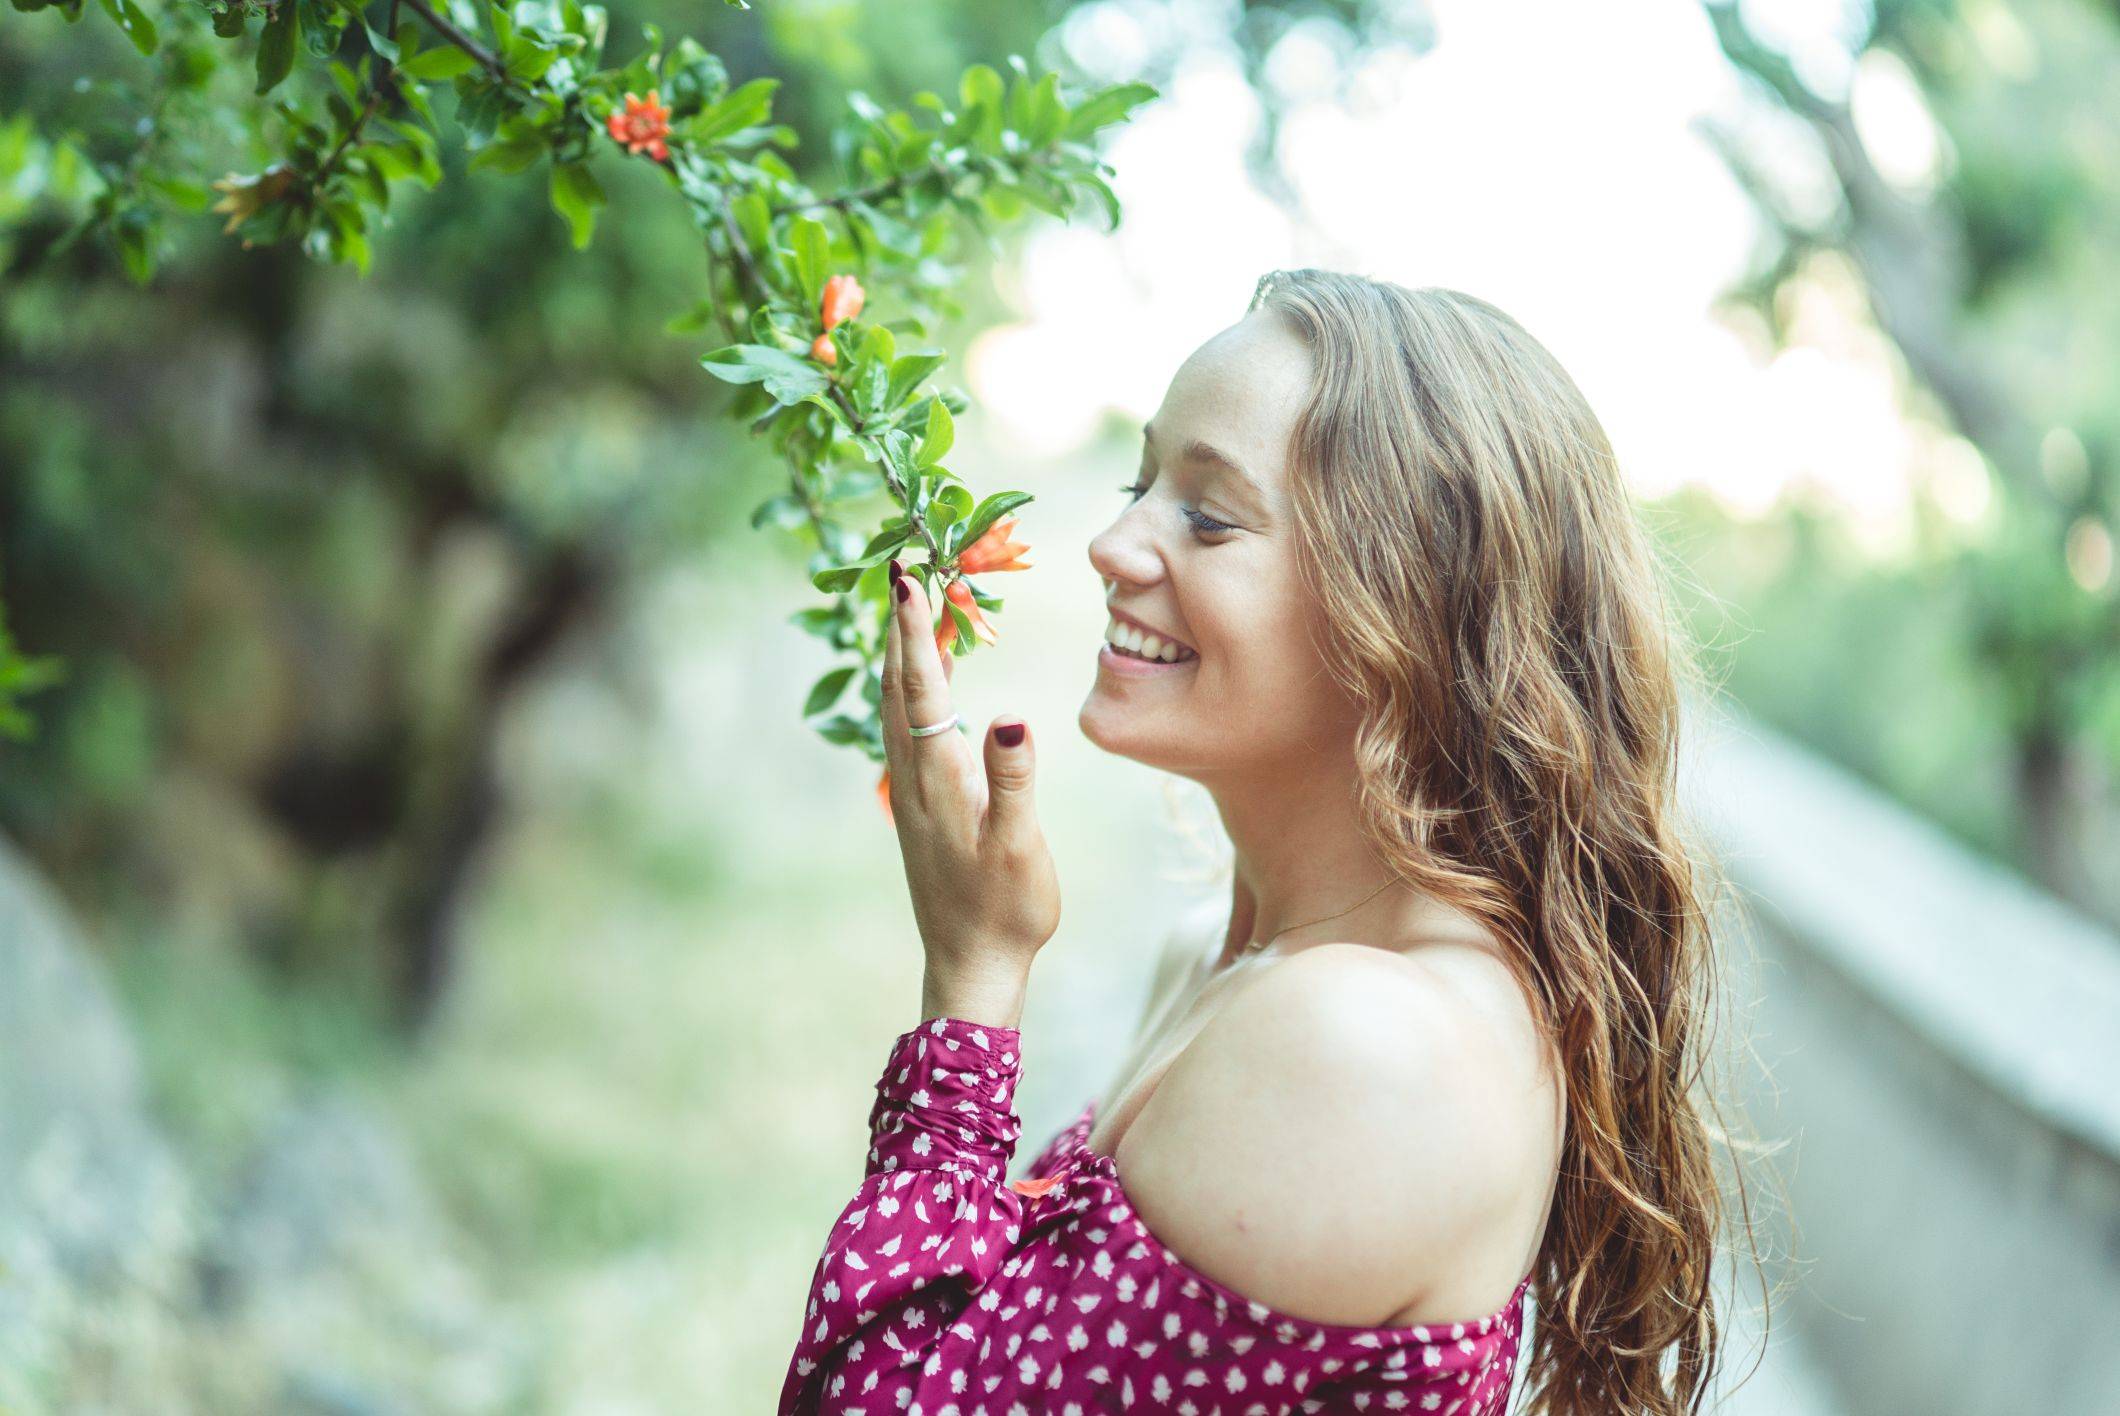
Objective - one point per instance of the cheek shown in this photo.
(1260, 643)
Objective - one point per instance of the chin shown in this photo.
(1107, 723)
(1103, 722)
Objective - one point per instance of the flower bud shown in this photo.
(842, 300)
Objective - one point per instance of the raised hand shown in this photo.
(985, 895)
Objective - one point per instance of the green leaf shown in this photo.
(785, 511)
(181, 191)
(418, 149)
(840, 728)
(323, 27)
(133, 20)
(443, 62)
(813, 253)
(1111, 106)
(825, 692)
(789, 378)
(754, 219)
(527, 57)
(878, 344)
(825, 402)
(1004, 203)
(276, 46)
(941, 432)
(576, 194)
(980, 93)
(949, 505)
(962, 644)
(509, 155)
(742, 108)
(875, 381)
(992, 510)
(381, 43)
(907, 370)
(1105, 195)
(885, 544)
(1044, 116)
(837, 579)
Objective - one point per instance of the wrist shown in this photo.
(994, 1001)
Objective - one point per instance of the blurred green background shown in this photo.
(425, 770)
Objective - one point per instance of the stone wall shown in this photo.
(1939, 1043)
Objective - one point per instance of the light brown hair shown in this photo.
(1502, 620)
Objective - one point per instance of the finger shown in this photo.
(890, 706)
(1011, 814)
(924, 689)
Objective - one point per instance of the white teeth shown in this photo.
(1148, 646)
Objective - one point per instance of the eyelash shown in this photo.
(1205, 523)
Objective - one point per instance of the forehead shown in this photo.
(1240, 391)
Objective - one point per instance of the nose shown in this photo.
(1124, 552)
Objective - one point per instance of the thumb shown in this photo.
(1009, 772)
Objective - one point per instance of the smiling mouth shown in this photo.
(1129, 642)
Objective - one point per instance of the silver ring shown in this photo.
(944, 726)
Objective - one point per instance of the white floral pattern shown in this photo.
(943, 1291)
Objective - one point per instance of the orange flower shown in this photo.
(1034, 1188)
(643, 125)
(960, 595)
(883, 797)
(841, 301)
(994, 550)
(822, 351)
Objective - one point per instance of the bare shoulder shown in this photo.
(1329, 1136)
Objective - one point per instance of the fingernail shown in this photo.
(896, 570)
(905, 591)
(1009, 734)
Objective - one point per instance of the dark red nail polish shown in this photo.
(896, 570)
(905, 591)
(1009, 734)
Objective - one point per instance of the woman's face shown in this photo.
(1206, 555)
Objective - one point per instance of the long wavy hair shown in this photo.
(1503, 622)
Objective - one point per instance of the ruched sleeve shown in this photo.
(946, 1290)
(928, 1229)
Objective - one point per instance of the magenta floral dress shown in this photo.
(943, 1291)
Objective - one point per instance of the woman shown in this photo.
(1380, 591)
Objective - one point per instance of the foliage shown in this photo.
(300, 531)
(1993, 274)
(529, 90)
(19, 675)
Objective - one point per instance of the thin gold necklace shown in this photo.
(1258, 944)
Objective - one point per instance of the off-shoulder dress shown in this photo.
(945, 1289)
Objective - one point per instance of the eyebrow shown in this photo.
(1197, 450)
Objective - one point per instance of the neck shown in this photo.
(1301, 856)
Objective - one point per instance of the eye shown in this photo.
(1203, 523)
